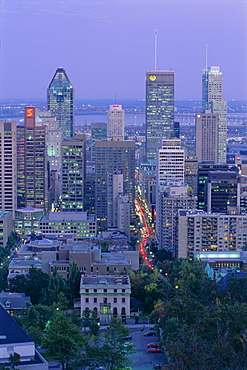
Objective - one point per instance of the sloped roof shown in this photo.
(10, 331)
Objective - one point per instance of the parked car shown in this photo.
(128, 337)
(157, 366)
(154, 350)
(149, 333)
(153, 345)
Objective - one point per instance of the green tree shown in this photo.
(73, 281)
(111, 351)
(34, 285)
(62, 339)
(57, 284)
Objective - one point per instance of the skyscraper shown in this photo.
(32, 188)
(60, 101)
(159, 110)
(73, 174)
(212, 99)
(207, 136)
(115, 122)
(8, 168)
(112, 156)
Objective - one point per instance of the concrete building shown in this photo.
(60, 101)
(115, 122)
(207, 136)
(112, 156)
(114, 189)
(6, 227)
(199, 231)
(54, 139)
(191, 172)
(73, 174)
(159, 110)
(27, 220)
(123, 214)
(108, 296)
(170, 161)
(20, 266)
(170, 199)
(32, 180)
(8, 167)
(77, 223)
(15, 341)
(212, 99)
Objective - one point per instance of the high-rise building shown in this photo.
(115, 122)
(32, 184)
(159, 110)
(207, 136)
(98, 132)
(54, 139)
(213, 232)
(191, 172)
(203, 174)
(212, 99)
(114, 189)
(170, 161)
(8, 168)
(169, 200)
(112, 156)
(60, 101)
(73, 174)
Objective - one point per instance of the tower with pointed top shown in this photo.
(60, 101)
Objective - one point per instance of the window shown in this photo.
(105, 290)
(104, 300)
(123, 300)
(115, 300)
(95, 290)
(95, 300)
(86, 290)
(123, 290)
(86, 300)
(115, 290)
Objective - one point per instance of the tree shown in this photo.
(62, 339)
(57, 284)
(34, 285)
(73, 282)
(111, 351)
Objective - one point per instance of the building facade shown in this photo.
(212, 99)
(115, 122)
(159, 110)
(112, 156)
(73, 174)
(199, 231)
(32, 178)
(60, 101)
(108, 296)
(8, 167)
(207, 136)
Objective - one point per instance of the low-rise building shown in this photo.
(78, 223)
(21, 267)
(14, 303)
(108, 296)
(15, 341)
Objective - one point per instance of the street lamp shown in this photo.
(147, 318)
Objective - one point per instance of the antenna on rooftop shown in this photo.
(155, 49)
(206, 56)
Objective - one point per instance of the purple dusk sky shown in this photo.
(106, 46)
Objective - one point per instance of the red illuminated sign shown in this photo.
(29, 112)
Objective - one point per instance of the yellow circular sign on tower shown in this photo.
(152, 78)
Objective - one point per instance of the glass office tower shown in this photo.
(159, 110)
(212, 100)
(60, 101)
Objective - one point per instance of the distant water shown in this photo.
(88, 119)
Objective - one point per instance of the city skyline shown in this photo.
(106, 47)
